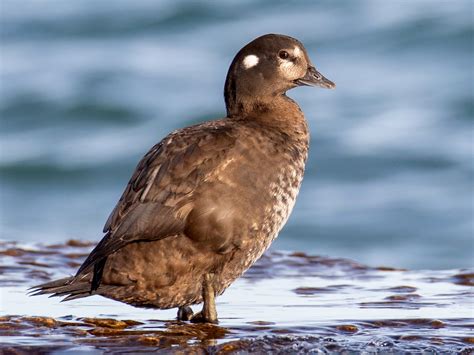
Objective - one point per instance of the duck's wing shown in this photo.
(159, 195)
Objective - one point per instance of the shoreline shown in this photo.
(285, 302)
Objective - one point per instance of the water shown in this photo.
(87, 88)
(285, 303)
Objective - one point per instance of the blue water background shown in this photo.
(87, 87)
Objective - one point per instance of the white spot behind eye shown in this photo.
(250, 61)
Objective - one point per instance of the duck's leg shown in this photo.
(185, 313)
(208, 313)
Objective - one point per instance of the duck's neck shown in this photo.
(277, 111)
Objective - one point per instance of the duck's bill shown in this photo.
(315, 78)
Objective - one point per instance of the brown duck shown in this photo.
(206, 202)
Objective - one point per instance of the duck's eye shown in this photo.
(283, 54)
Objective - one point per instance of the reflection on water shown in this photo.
(286, 302)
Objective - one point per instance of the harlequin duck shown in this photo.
(205, 202)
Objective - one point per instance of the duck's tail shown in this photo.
(70, 288)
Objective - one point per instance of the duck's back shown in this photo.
(245, 181)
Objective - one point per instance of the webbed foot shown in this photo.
(200, 318)
(209, 312)
(185, 313)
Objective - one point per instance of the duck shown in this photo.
(204, 204)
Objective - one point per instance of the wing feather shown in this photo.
(159, 195)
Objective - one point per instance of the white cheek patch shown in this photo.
(287, 65)
(289, 70)
(250, 61)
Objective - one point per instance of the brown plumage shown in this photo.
(206, 202)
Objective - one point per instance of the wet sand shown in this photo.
(287, 303)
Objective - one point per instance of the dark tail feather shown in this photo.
(75, 296)
(48, 287)
(81, 293)
(97, 274)
(71, 287)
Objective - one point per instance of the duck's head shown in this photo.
(267, 67)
